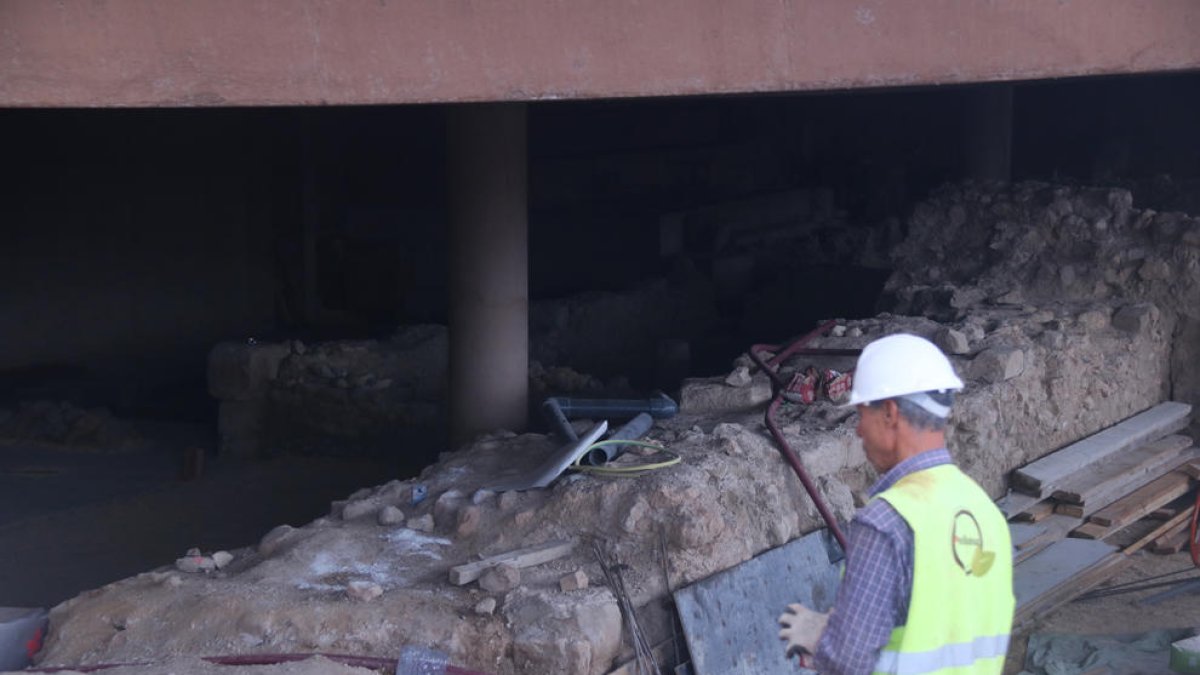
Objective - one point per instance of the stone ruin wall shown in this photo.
(1101, 299)
(1065, 310)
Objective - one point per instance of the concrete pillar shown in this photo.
(989, 132)
(489, 271)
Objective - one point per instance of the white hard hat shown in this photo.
(900, 365)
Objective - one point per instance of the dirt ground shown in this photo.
(229, 508)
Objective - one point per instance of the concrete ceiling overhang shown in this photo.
(115, 53)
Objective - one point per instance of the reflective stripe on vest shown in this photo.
(961, 607)
(956, 655)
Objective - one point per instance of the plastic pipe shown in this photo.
(559, 409)
(554, 413)
(633, 430)
(659, 407)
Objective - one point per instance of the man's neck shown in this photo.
(917, 441)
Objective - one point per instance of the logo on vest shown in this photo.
(967, 545)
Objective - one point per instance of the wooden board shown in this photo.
(1093, 531)
(1038, 596)
(1053, 529)
(1015, 503)
(1022, 533)
(1054, 566)
(1120, 474)
(525, 557)
(1171, 542)
(1035, 513)
(1070, 588)
(1159, 531)
(1132, 507)
(1042, 476)
(1073, 510)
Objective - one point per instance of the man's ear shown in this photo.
(891, 412)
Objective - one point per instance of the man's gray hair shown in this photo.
(918, 409)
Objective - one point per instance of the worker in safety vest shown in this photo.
(928, 581)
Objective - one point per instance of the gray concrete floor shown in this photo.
(76, 519)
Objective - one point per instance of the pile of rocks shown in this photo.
(348, 394)
(1036, 247)
(63, 423)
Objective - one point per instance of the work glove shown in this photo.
(802, 628)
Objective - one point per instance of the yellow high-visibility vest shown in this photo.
(961, 611)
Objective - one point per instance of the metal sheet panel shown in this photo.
(729, 619)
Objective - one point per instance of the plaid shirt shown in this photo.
(874, 594)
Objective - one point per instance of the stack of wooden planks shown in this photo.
(1065, 506)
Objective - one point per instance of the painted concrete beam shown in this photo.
(306, 52)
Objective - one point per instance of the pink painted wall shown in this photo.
(314, 52)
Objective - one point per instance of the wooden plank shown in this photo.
(1014, 503)
(1132, 507)
(525, 557)
(1035, 513)
(1054, 566)
(1054, 528)
(1172, 542)
(1042, 476)
(1069, 589)
(1092, 531)
(1159, 531)
(1105, 482)
(1192, 469)
(1047, 600)
(1165, 513)
(1022, 533)
(1073, 510)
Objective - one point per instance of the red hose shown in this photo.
(789, 455)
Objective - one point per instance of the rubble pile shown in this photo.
(359, 393)
(1044, 366)
(367, 396)
(65, 424)
(634, 324)
(1045, 247)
